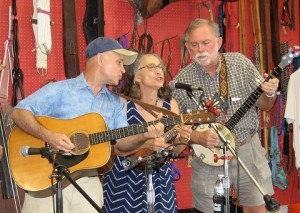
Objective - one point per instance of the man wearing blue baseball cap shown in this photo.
(71, 98)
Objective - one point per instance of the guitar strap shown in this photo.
(223, 81)
(71, 60)
(148, 106)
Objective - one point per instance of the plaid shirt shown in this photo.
(242, 79)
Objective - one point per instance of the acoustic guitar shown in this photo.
(92, 149)
(211, 156)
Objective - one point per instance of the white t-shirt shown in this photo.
(292, 111)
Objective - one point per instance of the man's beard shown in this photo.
(208, 60)
(202, 61)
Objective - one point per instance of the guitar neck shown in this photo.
(170, 134)
(135, 129)
(251, 100)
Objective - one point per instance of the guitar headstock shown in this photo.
(287, 59)
(198, 117)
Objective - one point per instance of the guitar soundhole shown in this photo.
(81, 142)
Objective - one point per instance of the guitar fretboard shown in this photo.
(135, 129)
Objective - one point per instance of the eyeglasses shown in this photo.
(153, 67)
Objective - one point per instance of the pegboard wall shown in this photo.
(170, 22)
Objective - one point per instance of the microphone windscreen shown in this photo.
(172, 85)
(24, 151)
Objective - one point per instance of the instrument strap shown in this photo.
(70, 48)
(149, 106)
(169, 56)
(223, 81)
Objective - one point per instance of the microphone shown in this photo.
(160, 156)
(176, 85)
(25, 151)
(171, 154)
(130, 162)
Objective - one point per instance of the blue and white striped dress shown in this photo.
(126, 191)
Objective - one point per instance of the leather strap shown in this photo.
(222, 27)
(286, 15)
(169, 56)
(262, 31)
(275, 32)
(17, 73)
(148, 106)
(93, 21)
(71, 60)
(145, 43)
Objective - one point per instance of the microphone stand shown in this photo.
(226, 158)
(270, 203)
(153, 162)
(192, 97)
(150, 190)
(59, 172)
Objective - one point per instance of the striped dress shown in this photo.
(126, 191)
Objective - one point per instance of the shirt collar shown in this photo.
(81, 83)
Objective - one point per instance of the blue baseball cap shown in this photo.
(104, 44)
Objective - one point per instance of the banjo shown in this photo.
(211, 156)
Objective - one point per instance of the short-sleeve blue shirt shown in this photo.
(72, 98)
